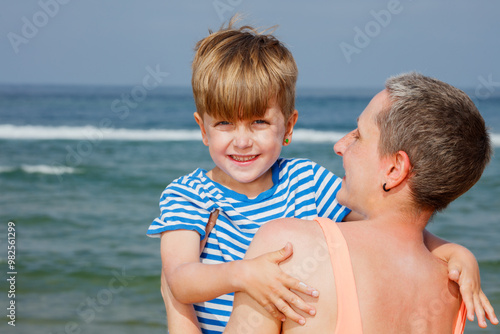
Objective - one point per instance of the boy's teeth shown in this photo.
(243, 159)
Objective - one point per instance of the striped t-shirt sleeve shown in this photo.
(181, 208)
(327, 185)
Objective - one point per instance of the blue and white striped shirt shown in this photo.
(301, 189)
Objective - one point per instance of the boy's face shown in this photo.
(244, 151)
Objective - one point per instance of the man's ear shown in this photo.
(398, 169)
(199, 120)
(290, 124)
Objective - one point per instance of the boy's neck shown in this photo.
(250, 189)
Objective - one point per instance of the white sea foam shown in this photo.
(39, 169)
(45, 169)
(495, 139)
(7, 169)
(33, 132)
(313, 136)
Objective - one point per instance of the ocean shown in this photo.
(81, 172)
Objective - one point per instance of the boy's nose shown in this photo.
(242, 139)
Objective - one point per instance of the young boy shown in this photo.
(244, 89)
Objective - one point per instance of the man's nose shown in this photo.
(341, 145)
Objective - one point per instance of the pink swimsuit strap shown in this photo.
(348, 314)
(460, 323)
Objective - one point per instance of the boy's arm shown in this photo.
(463, 269)
(181, 318)
(191, 281)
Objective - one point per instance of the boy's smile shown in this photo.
(245, 150)
(242, 158)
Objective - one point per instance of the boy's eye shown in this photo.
(260, 121)
(223, 123)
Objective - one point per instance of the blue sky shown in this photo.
(335, 43)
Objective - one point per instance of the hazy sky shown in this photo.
(335, 43)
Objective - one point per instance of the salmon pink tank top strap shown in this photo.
(348, 314)
(460, 323)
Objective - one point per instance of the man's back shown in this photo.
(400, 281)
(401, 287)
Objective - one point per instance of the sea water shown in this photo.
(81, 172)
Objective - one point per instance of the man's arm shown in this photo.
(463, 269)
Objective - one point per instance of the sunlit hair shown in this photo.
(443, 133)
(237, 72)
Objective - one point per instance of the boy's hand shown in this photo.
(266, 283)
(463, 269)
(473, 296)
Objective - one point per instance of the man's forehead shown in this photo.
(378, 103)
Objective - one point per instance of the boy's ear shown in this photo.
(290, 124)
(199, 120)
(398, 169)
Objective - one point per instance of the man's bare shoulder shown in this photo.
(277, 233)
(285, 228)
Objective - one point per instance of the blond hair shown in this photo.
(237, 72)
